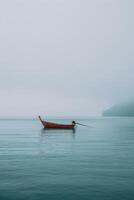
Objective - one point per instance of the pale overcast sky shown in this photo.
(65, 57)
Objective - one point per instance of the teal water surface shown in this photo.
(95, 163)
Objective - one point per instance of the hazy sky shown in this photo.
(65, 57)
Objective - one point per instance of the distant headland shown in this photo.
(123, 110)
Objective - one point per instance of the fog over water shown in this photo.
(65, 58)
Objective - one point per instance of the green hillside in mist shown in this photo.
(126, 109)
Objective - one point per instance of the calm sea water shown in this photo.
(95, 163)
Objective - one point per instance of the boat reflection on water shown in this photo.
(47, 136)
(49, 131)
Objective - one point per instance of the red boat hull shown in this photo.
(51, 125)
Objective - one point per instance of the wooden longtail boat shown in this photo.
(51, 125)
